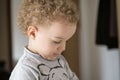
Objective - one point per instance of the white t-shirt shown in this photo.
(33, 67)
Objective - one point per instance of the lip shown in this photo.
(56, 54)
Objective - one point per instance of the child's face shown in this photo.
(51, 42)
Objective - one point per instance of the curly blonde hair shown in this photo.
(38, 12)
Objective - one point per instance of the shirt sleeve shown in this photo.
(22, 73)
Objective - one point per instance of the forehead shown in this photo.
(61, 29)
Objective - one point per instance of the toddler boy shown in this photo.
(49, 24)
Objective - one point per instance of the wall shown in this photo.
(118, 13)
(118, 18)
(4, 45)
(18, 39)
(97, 62)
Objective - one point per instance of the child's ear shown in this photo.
(31, 31)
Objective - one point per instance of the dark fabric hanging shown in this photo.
(106, 32)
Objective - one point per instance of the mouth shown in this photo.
(56, 54)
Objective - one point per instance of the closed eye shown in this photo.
(57, 42)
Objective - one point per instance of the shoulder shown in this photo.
(25, 69)
(22, 72)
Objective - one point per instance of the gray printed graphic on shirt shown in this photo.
(54, 73)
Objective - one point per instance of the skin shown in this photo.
(49, 41)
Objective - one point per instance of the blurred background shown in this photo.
(88, 59)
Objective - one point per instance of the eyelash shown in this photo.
(57, 42)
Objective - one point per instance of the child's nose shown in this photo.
(62, 47)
